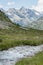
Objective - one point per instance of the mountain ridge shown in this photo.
(26, 18)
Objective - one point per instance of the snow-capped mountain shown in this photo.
(23, 16)
(29, 13)
(26, 17)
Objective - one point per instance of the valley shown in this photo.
(20, 39)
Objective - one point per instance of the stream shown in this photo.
(12, 55)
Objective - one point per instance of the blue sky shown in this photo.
(17, 3)
(35, 4)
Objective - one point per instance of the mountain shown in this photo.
(26, 18)
(7, 24)
(29, 13)
(23, 16)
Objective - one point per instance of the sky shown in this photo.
(33, 4)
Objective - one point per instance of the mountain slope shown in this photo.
(23, 16)
(4, 20)
(38, 24)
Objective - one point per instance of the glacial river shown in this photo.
(12, 55)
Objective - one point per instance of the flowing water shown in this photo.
(12, 55)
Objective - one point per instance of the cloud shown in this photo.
(39, 6)
(1, 6)
(11, 3)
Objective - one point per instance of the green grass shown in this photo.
(36, 60)
(15, 36)
(11, 38)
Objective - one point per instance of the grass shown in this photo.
(15, 36)
(11, 38)
(36, 60)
